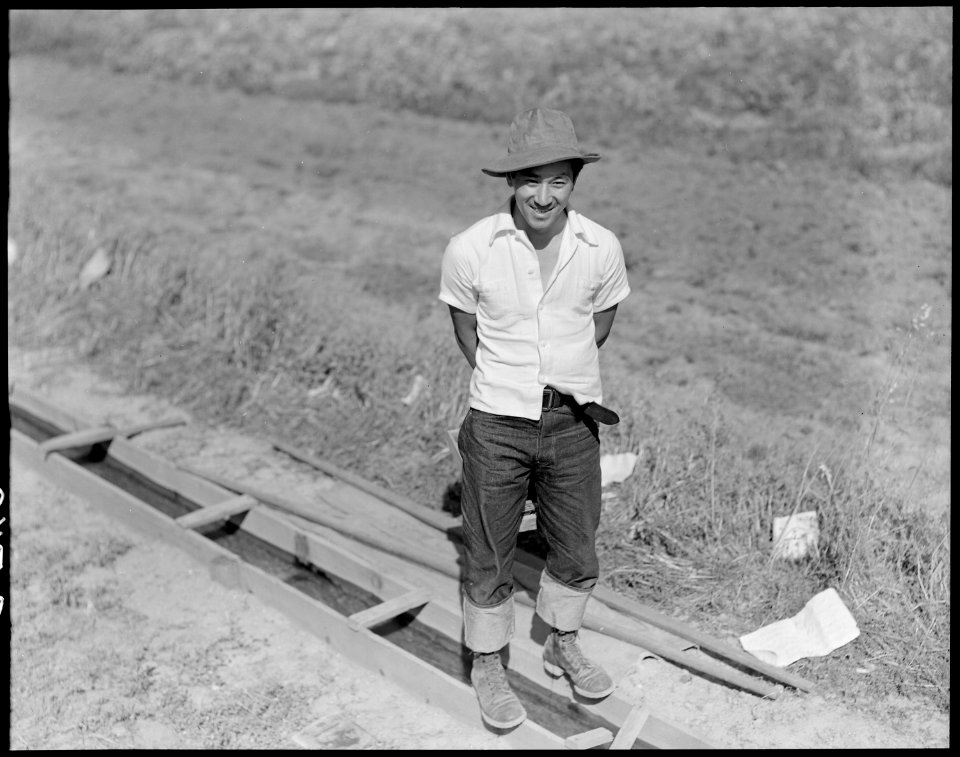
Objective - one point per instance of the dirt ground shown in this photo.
(786, 291)
(123, 642)
(119, 642)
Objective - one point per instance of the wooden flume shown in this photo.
(605, 595)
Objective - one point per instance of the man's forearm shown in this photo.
(602, 323)
(465, 330)
(468, 347)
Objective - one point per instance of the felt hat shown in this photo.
(538, 137)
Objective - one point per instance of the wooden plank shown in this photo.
(156, 468)
(704, 641)
(427, 683)
(648, 615)
(283, 531)
(342, 559)
(286, 532)
(443, 613)
(611, 598)
(690, 660)
(707, 666)
(631, 728)
(90, 436)
(435, 518)
(166, 474)
(39, 407)
(389, 609)
(276, 526)
(261, 522)
(221, 511)
(589, 739)
(659, 733)
(113, 500)
(355, 530)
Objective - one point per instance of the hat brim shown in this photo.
(541, 157)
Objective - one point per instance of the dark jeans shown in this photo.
(502, 456)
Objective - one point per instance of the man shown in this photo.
(532, 291)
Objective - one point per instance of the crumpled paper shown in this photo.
(796, 536)
(616, 468)
(823, 625)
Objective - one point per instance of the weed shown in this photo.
(266, 340)
(691, 530)
(900, 379)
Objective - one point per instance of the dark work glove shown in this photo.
(601, 414)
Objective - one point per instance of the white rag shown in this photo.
(824, 624)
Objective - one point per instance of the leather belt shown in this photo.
(553, 399)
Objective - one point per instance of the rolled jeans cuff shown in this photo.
(488, 629)
(561, 606)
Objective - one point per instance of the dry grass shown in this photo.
(870, 88)
(690, 530)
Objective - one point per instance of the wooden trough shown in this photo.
(400, 553)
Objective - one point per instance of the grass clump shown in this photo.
(692, 529)
(270, 346)
(268, 343)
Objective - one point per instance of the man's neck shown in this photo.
(546, 239)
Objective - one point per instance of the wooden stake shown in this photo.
(91, 436)
(311, 513)
(438, 520)
(631, 727)
(389, 609)
(221, 511)
(702, 640)
(589, 739)
(527, 577)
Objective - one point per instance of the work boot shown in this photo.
(499, 706)
(562, 655)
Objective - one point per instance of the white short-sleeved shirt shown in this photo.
(529, 337)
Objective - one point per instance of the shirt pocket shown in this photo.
(585, 293)
(497, 298)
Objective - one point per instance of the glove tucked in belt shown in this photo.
(552, 399)
(601, 414)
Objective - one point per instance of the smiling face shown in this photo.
(542, 194)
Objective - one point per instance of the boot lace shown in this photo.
(494, 677)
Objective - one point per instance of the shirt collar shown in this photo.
(503, 224)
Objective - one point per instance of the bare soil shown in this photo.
(120, 642)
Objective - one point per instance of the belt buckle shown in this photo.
(550, 396)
